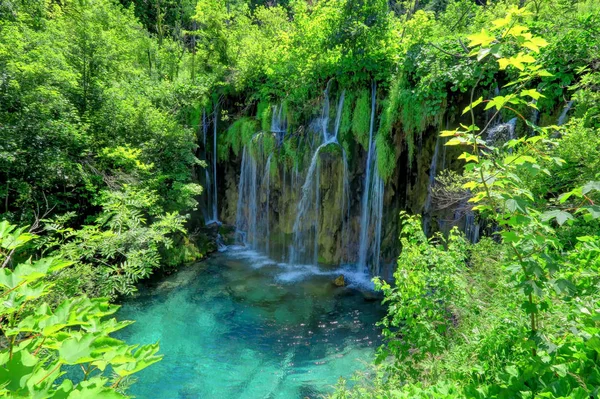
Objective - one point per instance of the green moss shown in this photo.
(247, 130)
(268, 143)
(265, 119)
(346, 122)
(234, 135)
(290, 155)
(361, 119)
(183, 251)
(389, 115)
(260, 109)
(410, 144)
(386, 157)
(332, 148)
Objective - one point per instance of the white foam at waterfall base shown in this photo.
(293, 273)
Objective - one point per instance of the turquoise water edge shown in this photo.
(242, 326)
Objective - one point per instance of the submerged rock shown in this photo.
(340, 281)
(371, 296)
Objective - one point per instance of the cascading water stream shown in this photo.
(246, 206)
(371, 205)
(207, 183)
(215, 207)
(279, 123)
(563, 115)
(211, 214)
(253, 225)
(309, 206)
(266, 187)
(431, 182)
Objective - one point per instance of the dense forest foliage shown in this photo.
(101, 111)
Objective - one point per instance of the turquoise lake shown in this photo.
(241, 326)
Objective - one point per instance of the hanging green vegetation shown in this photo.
(386, 157)
(345, 134)
(233, 139)
(361, 118)
(248, 129)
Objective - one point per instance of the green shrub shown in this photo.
(41, 342)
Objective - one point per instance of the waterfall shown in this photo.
(214, 205)
(207, 185)
(210, 210)
(306, 224)
(430, 184)
(245, 220)
(315, 206)
(502, 132)
(266, 188)
(325, 113)
(252, 222)
(345, 210)
(279, 123)
(371, 205)
(472, 227)
(563, 115)
(305, 221)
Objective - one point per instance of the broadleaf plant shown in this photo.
(61, 352)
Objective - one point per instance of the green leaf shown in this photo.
(473, 105)
(560, 216)
(498, 102)
(591, 186)
(532, 93)
(448, 133)
(455, 141)
(468, 157)
(77, 350)
(482, 38)
(593, 343)
(509, 236)
(592, 210)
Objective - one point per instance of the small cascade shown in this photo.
(252, 223)
(472, 227)
(497, 135)
(215, 215)
(535, 114)
(376, 218)
(206, 183)
(432, 173)
(306, 224)
(563, 115)
(266, 189)
(245, 220)
(345, 210)
(210, 211)
(371, 205)
(279, 123)
(221, 247)
(502, 132)
(210, 171)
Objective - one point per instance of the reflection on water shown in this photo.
(240, 326)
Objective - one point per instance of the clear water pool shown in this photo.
(240, 326)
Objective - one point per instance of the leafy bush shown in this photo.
(122, 246)
(425, 303)
(40, 343)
